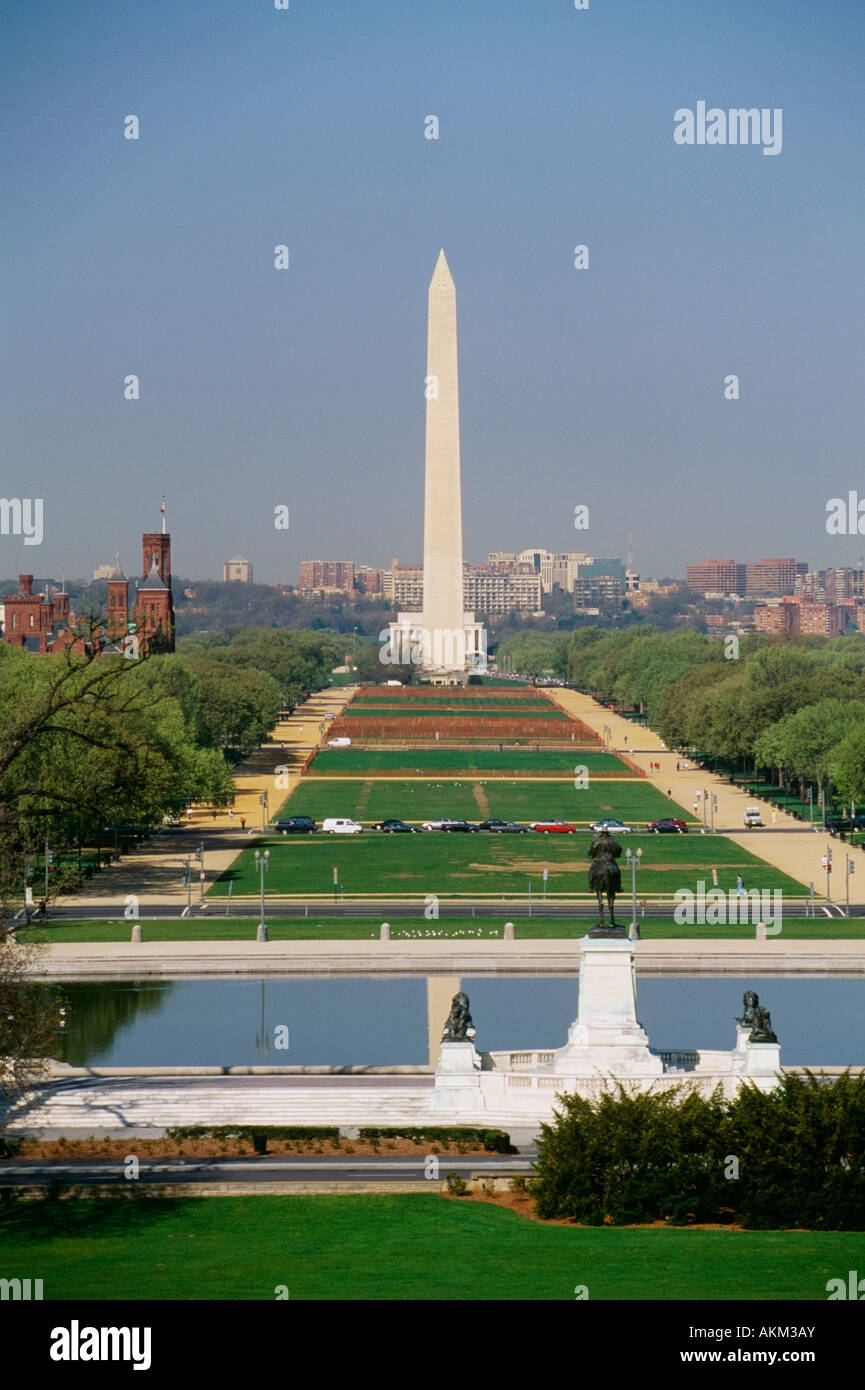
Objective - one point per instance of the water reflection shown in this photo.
(99, 1014)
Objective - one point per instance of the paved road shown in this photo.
(41, 1173)
(383, 909)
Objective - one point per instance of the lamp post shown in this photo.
(634, 861)
(263, 803)
(261, 864)
(714, 809)
(188, 862)
(811, 805)
(850, 869)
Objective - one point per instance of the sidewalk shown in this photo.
(789, 845)
(158, 869)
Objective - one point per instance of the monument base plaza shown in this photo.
(516, 1091)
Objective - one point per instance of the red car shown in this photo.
(554, 827)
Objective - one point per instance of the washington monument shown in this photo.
(444, 640)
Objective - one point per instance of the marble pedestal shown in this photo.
(457, 1078)
(606, 1036)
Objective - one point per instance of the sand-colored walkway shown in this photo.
(786, 843)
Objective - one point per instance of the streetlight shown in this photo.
(188, 862)
(261, 865)
(827, 865)
(851, 869)
(263, 803)
(714, 809)
(634, 862)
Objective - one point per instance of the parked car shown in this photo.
(296, 825)
(753, 816)
(339, 743)
(341, 825)
(553, 827)
(668, 825)
(446, 824)
(612, 826)
(845, 823)
(395, 827)
(503, 827)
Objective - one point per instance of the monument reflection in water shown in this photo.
(363, 1021)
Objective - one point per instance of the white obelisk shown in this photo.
(443, 615)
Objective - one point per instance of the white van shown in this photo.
(341, 825)
(752, 816)
(339, 743)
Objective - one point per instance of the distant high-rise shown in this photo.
(237, 571)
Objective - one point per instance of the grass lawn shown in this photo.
(450, 865)
(394, 1248)
(524, 800)
(320, 928)
(351, 762)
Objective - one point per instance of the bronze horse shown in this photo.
(605, 876)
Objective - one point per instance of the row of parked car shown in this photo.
(344, 825)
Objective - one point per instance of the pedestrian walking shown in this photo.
(243, 822)
(213, 813)
(677, 765)
(230, 813)
(669, 794)
(740, 887)
(696, 807)
(774, 817)
(189, 813)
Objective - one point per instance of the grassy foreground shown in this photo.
(213, 928)
(399, 1248)
(491, 865)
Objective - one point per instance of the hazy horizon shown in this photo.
(304, 388)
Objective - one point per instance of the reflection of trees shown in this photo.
(97, 1012)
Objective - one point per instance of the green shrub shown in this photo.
(799, 1151)
(457, 1186)
(626, 1159)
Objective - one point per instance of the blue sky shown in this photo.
(305, 387)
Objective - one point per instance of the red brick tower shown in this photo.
(154, 606)
(156, 545)
(29, 617)
(118, 603)
(154, 614)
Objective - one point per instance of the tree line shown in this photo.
(794, 707)
(89, 742)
